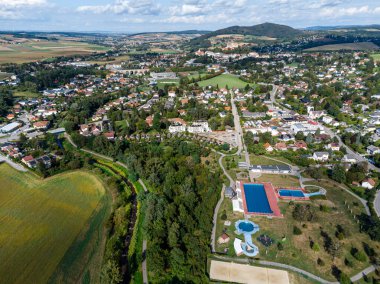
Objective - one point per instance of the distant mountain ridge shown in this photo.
(351, 27)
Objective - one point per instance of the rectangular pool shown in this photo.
(256, 199)
(291, 193)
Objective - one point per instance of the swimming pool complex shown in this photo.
(247, 228)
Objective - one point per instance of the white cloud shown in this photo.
(349, 11)
(142, 7)
(12, 9)
(20, 3)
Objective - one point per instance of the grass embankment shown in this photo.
(41, 220)
(280, 180)
(135, 248)
(297, 249)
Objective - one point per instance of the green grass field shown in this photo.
(345, 46)
(222, 81)
(41, 220)
(376, 57)
(26, 95)
(161, 83)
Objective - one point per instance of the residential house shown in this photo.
(268, 147)
(373, 150)
(321, 156)
(223, 239)
(368, 183)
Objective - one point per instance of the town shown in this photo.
(274, 154)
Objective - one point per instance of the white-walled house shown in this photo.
(321, 156)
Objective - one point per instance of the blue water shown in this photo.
(291, 193)
(256, 199)
(246, 227)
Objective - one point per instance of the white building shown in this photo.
(10, 127)
(321, 156)
(199, 127)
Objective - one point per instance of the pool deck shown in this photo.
(272, 199)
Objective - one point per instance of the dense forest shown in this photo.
(179, 206)
(178, 209)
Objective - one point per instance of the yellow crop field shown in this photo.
(41, 219)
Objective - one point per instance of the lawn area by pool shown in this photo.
(256, 199)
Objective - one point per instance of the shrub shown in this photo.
(320, 262)
(224, 215)
(348, 262)
(315, 247)
(297, 231)
(280, 246)
(360, 256)
(344, 279)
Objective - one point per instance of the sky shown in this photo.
(130, 16)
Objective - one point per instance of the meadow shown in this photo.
(35, 50)
(345, 46)
(224, 80)
(376, 57)
(44, 224)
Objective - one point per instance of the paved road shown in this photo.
(239, 130)
(273, 94)
(376, 203)
(144, 266)
(12, 164)
(357, 156)
(362, 201)
(232, 182)
(215, 218)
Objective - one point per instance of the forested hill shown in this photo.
(266, 29)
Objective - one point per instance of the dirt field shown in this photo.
(35, 50)
(240, 273)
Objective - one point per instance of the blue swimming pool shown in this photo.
(256, 199)
(246, 226)
(291, 193)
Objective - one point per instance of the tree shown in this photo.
(300, 135)
(338, 174)
(111, 272)
(297, 231)
(344, 279)
(157, 122)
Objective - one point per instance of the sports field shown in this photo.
(41, 219)
(35, 50)
(224, 80)
(242, 273)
